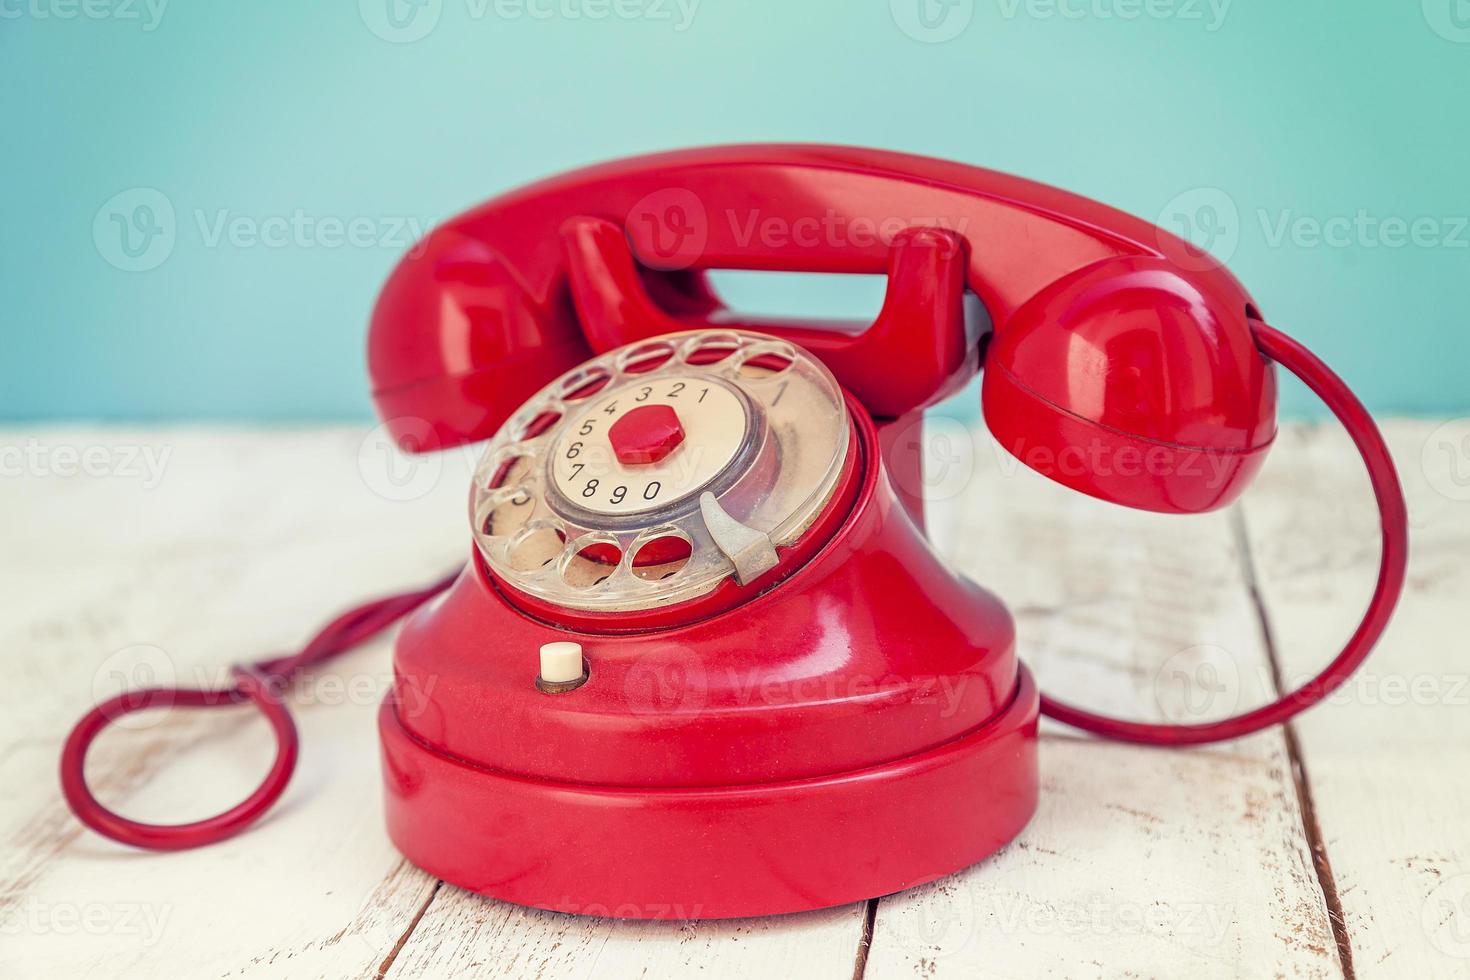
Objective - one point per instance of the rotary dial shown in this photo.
(650, 474)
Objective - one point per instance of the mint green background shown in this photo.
(1320, 109)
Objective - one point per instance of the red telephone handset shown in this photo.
(527, 285)
(668, 482)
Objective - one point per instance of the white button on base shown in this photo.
(562, 666)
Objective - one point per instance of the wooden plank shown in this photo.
(1139, 861)
(1385, 758)
(462, 934)
(246, 543)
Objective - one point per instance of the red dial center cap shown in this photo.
(646, 434)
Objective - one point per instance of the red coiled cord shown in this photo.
(1394, 520)
(260, 684)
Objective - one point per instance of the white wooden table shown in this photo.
(1336, 847)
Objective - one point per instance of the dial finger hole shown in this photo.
(510, 469)
(765, 361)
(537, 546)
(645, 357)
(506, 511)
(538, 424)
(661, 557)
(584, 383)
(710, 348)
(592, 563)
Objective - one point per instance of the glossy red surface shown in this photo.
(500, 299)
(1132, 381)
(758, 847)
(647, 434)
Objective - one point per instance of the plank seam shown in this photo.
(413, 924)
(1326, 881)
(865, 941)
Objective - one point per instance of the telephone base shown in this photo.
(713, 852)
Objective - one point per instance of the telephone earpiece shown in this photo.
(1131, 382)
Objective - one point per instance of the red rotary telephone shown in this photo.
(703, 660)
